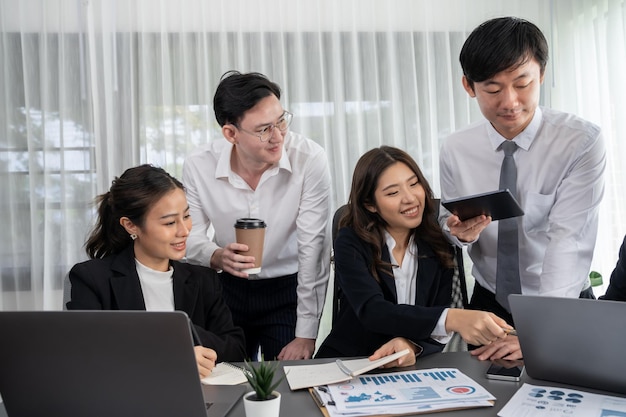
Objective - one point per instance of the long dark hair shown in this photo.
(131, 195)
(370, 226)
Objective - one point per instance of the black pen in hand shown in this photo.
(195, 335)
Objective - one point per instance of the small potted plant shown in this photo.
(263, 401)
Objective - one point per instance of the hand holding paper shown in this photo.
(397, 344)
(305, 376)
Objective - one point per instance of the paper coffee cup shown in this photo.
(251, 232)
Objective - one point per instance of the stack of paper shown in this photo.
(531, 400)
(407, 392)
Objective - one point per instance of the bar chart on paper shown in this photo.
(410, 377)
(424, 388)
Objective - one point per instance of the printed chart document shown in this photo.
(306, 376)
(225, 374)
(534, 400)
(406, 392)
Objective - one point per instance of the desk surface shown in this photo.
(300, 403)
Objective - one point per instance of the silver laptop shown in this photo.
(103, 364)
(573, 341)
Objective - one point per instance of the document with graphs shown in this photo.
(416, 391)
(548, 401)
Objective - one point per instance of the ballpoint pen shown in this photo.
(511, 332)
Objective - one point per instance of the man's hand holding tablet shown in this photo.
(495, 204)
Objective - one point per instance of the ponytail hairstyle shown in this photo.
(131, 195)
(370, 227)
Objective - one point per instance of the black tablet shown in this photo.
(498, 204)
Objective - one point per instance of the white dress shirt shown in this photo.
(293, 200)
(560, 168)
(405, 278)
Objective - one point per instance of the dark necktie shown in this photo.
(507, 270)
(457, 292)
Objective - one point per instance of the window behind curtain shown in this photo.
(77, 108)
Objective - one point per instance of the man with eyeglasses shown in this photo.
(263, 170)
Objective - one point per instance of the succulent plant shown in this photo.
(261, 378)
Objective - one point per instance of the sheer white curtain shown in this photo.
(588, 60)
(91, 87)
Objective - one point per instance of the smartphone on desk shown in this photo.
(504, 370)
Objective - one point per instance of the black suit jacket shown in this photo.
(112, 283)
(617, 286)
(370, 315)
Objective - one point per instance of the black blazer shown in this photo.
(112, 283)
(617, 286)
(370, 315)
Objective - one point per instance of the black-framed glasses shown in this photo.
(266, 132)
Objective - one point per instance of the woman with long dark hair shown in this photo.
(135, 248)
(395, 268)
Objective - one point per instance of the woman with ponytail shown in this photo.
(136, 247)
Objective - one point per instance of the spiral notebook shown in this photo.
(225, 373)
(306, 376)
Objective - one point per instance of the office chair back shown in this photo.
(337, 296)
(67, 290)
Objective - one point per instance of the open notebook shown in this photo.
(306, 376)
(225, 373)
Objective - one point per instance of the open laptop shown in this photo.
(571, 340)
(104, 364)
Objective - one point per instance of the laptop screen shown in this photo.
(99, 363)
(572, 340)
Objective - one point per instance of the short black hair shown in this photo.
(238, 93)
(499, 44)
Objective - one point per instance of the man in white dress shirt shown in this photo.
(560, 162)
(262, 170)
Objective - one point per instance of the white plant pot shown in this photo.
(267, 408)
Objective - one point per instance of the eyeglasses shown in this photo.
(266, 132)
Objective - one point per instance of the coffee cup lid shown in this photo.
(247, 223)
